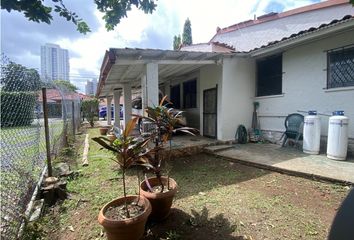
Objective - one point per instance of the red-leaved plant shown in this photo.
(128, 151)
(165, 121)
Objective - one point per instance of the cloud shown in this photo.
(21, 39)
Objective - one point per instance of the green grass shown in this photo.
(216, 200)
(23, 158)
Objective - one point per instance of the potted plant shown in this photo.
(160, 190)
(112, 133)
(125, 217)
(104, 130)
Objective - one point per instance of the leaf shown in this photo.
(104, 144)
(130, 126)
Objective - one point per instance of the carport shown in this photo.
(124, 69)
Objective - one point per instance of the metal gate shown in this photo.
(210, 112)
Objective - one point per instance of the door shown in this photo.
(210, 112)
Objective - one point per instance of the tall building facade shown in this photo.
(91, 87)
(54, 63)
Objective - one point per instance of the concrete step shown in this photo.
(218, 148)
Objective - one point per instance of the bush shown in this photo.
(17, 108)
(90, 109)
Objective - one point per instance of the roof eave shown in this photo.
(108, 60)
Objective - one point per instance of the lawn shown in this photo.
(217, 199)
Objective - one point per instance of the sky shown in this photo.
(21, 39)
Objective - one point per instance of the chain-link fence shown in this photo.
(22, 137)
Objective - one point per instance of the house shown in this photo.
(56, 99)
(302, 59)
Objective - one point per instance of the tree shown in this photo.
(176, 42)
(114, 11)
(90, 109)
(19, 86)
(65, 84)
(187, 33)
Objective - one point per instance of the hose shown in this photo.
(241, 134)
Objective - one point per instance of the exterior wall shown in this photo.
(210, 77)
(237, 92)
(304, 83)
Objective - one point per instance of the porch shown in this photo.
(288, 160)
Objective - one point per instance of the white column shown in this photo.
(143, 94)
(127, 96)
(109, 114)
(116, 97)
(152, 84)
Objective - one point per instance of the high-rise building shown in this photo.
(54, 63)
(91, 87)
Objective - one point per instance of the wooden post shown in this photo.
(46, 132)
(73, 117)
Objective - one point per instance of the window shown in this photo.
(190, 94)
(340, 69)
(269, 76)
(175, 96)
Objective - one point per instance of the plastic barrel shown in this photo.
(312, 133)
(337, 142)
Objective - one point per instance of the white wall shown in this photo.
(304, 80)
(210, 77)
(237, 92)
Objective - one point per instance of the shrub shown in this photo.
(90, 109)
(17, 108)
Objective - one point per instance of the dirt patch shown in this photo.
(122, 212)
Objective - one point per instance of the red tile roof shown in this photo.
(56, 96)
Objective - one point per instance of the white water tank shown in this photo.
(312, 133)
(337, 142)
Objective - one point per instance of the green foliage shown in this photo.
(18, 96)
(90, 109)
(17, 78)
(17, 108)
(129, 150)
(62, 84)
(114, 11)
(187, 33)
(176, 42)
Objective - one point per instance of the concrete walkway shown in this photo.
(288, 160)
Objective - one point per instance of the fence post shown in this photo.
(46, 131)
(65, 123)
(73, 117)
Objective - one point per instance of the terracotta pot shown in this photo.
(103, 130)
(128, 229)
(160, 202)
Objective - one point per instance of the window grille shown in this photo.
(190, 94)
(340, 70)
(269, 76)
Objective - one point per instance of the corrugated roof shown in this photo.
(121, 65)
